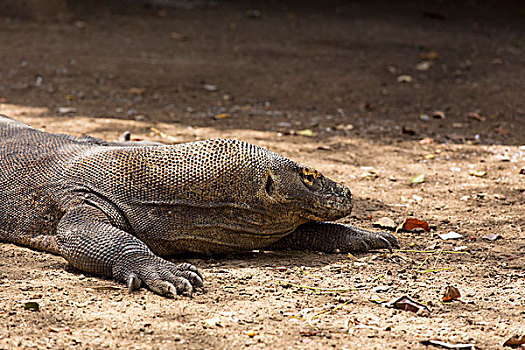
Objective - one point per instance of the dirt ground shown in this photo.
(350, 88)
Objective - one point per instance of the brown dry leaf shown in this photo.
(178, 36)
(477, 173)
(345, 127)
(412, 223)
(432, 55)
(210, 87)
(446, 345)
(66, 110)
(492, 236)
(369, 175)
(407, 304)
(451, 293)
(408, 131)
(385, 222)
(404, 78)
(31, 305)
(515, 341)
(137, 91)
(438, 115)
(426, 141)
(212, 322)
(423, 66)
(477, 116)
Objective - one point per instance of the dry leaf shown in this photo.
(492, 236)
(66, 110)
(432, 55)
(426, 141)
(515, 341)
(305, 132)
(385, 222)
(412, 223)
(404, 78)
(369, 175)
(418, 179)
(450, 235)
(438, 115)
(407, 304)
(408, 131)
(423, 66)
(451, 293)
(446, 345)
(212, 322)
(210, 87)
(476, 116)
(31, 305)
(178, 36)
(477, 173)
(137, 91)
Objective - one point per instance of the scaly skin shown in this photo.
(113, 209)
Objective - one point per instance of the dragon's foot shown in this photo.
(363, 240)
(161, 276)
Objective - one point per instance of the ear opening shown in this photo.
(269, 187)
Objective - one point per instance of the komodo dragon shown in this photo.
(113, 209)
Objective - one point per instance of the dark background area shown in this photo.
(303, 60)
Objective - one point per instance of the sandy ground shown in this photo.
(348, 88)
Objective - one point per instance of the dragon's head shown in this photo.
(306, 191)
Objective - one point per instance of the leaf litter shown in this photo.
(405, 303)
(451, 293)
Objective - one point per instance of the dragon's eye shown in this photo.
(309, 176)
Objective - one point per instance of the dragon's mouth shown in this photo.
(330, 209)
(334, 203)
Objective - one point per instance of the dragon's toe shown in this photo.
(163, 277)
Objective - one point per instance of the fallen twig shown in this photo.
(320, 289)
(328, 312)
(164, 135)
(429, 251)
(436, 270)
